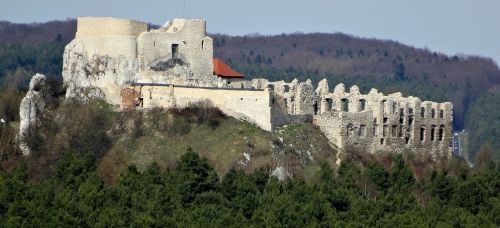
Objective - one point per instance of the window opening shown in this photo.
(422, 134)
(362, 104)
(345, 105)
(440, 133)
(433, 133)
(175, 51)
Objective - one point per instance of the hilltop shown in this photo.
(386, 65)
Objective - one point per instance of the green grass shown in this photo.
(222, 145)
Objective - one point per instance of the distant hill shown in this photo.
(386, 65)
(36, 33)
(355, 60)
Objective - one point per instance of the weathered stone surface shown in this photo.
(108, 53)
(32, 106)
(133, 66)
(322, 87)
(95, 76)
(375, 122)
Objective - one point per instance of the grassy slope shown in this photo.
(223, 146)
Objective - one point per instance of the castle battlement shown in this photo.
(133, 66)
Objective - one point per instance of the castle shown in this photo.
(133, 66)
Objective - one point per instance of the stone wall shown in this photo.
(365, 122)
(109, 36)
(250, 105)
(191, 65)
(375, 122)
(109, 53)
(129, 65)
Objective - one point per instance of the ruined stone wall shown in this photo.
(375, 122)
(291, 102)
(250, 105)
(102, 58)
(192, 64)
(108, 53)
(126, 64)
(295, 98)
(158, 96)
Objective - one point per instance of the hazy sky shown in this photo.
(448, 26)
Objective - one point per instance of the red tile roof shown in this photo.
(223, 70)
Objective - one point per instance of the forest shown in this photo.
(360, 194)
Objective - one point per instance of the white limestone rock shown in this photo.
(32, 106)
(95, 76)
(281, 173)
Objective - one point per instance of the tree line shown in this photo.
(357, 194)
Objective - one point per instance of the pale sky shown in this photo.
(447, 26)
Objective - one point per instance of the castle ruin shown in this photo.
(133, 66)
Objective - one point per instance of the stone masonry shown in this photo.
(133, 66)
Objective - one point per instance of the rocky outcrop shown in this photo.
(32, 106)
(88, 76)
(281, 173)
